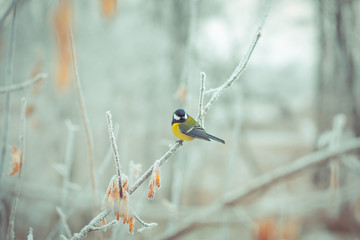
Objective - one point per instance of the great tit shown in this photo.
(186, 128)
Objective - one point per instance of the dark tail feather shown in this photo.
(215, 138)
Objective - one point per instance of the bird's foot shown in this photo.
(180, 142)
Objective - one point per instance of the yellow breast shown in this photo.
(179, 134)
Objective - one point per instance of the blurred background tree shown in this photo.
(338, 75)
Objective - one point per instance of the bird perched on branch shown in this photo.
(186, 128)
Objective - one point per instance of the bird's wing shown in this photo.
(195, 131)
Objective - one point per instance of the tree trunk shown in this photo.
(338, 76)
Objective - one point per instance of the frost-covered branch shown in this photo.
(92, 226)
(145, 224)
(148, 173)
(115, 149)
(199, 117)
(263, 182)
(17, 87)
(239, 70)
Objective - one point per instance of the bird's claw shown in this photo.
(180, 142)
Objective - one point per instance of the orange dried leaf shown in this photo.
(62, 20)
(108, 7)
(266, 229)
(157, 178)
(16, 160)
(181, 93)
(103, 221)
(117, 216)
(154, 183)
(290, 229)
(29, 110)
(151, 191)
(126, 186)
(131, 224)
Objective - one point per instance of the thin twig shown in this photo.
(201, 99)
(106, 226)
(17, 87)
(239, 70)
(85, 120)
(263, 182)
(115, 149)
(8, 10)
(145, 224)
(11, 232)
(8, 77)
(109, 155)
(65, 225)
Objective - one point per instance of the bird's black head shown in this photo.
(179, 116)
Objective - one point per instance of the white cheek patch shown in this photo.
(176, 117)
(186, 116)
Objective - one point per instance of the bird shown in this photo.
(187, 129)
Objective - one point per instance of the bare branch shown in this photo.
(8, 10)
(85, 119)
(106, 226)
(8, 80)
(65, 225)
(11, 232)
(239, 70)
(17, 87)
(145, 224)
(263, 182)
(115, 149)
